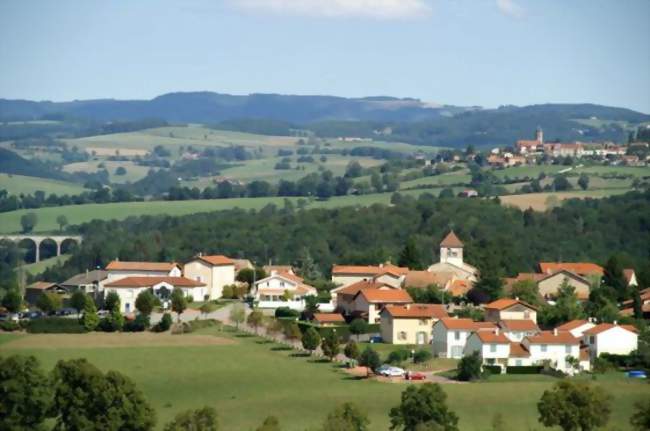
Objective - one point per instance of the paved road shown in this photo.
(222, 314)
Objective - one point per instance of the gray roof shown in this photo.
(89, 277)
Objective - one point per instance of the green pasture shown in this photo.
(133, 172)
(19, 184)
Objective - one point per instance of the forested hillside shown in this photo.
(498, 240)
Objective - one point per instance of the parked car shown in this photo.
(390, 371)
(9, 317)
(376, 339)
(65, 312)
(637, 374)
(103, 313)
(30, 315)
(414, 376)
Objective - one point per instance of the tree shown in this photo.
(237, 315)
(369, 359)
(49, 302)
(583, 181)
(352, 350)
(87, 399)
(271, 423)
(145, 302)
(28, 222)
(179, 302)
(204, 419)
(12, 301)
(346, 417)
(331, 345)
(561, 183)
(292, 331)
(255, 319)
(376, 182)
(311, 339)
(78, 300)
(112, 301)
(62, 221)
(358, 326)
(490, 284)
(207, 307)
(423, 405)
(248, 275)
(640, 420)
(120, 170)
(566, 308)
(410, 256)
(615, 279)
(574, 406)
(90, 319)
(25, 393)
(469, 367)
(353, 170)
(526, 290)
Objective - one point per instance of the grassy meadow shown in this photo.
(20, 184)
(247, 379)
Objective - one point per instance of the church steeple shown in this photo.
(451, 250)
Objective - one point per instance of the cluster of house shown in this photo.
(528, 150)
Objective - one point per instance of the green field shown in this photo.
(459, 177)
(38, 267)
(17, 184)
(249, 380)
(133, 172)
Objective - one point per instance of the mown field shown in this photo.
(20, 184)
(543, 201)
(247, 380)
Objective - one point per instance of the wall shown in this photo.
(551, 285)
(411, 327)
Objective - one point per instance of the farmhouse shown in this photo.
(410, 323)
(35, 290)
(282, 289)
(553, 346)
(90, 282)
(611, 338)
(119, 269)
(510, 309)
(450, 335)
(451, 260)
(129, 288)
(216, 271)
(368, 303)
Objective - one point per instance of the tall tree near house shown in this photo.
(62, 221)
(307, 268)
(583, 181)
(255, 319)
(179, 302)
(12, 301)
(410, 256)
(331, 345)
(491, 284)
(637, 304)
(145, 302)
(526, 290)
(78, 300)
(346, 417)
(369, 359)
(574, 406)
(423, 405)
(310, 340)
(90, 319)
(352, 350)
(615, 279)
(237, 315)
(112, 301)
(358, 326)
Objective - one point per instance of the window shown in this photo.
(423, 322)
(518, 362)
(592, 339)
(493, 348)
(456, 335)
(567, 349)
(526, 314)
(544, 347)
(401, 335)
(282, 284)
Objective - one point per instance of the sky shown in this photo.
(458, 52)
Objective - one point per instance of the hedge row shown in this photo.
(55, 325)
(492, 369)
(521, 369)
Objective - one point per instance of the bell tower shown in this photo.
(451, 250)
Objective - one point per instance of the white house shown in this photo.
(451, 259)
(553, 346)
(450, 335)
(129, 288)
(516, 330)
(282, 290)
(577, 327)
(216, 271)
(519, 355)
(493, 347)
(120, 269)
(509, 309)
(611, 338)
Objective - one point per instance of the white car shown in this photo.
(390, 371)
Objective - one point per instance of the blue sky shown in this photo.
(462, 52)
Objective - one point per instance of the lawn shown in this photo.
(540, 201)
(133, 172)
(38, 267)
(459, 177)
(17, 184)
(247, 380)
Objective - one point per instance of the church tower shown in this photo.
(451, 250)
(539, 135)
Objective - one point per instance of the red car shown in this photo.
(414, 376)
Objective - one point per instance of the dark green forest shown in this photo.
(499, 241)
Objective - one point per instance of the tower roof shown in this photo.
(451, 241)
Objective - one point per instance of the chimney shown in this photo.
(496, 331)
(615, 322)
(555, 332)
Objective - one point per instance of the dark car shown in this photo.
(35, 314)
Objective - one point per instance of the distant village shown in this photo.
(509, 334)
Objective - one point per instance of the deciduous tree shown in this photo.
(255, 319)
(204, 419)
(423, 405)
(237, 315)
(179, 302)
(311, 339)
(574, 406)
(12, 301)
(346, 417)
(145, 302)
(358, 326)
(352, 350)
(331, 345)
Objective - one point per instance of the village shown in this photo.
(508, 335)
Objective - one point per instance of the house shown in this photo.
(611, 338)
(531, 146)
(630, 277)
(557, 149)
(410, 323)
(345, 275)
(120, 269)
(450, 335)
(129, 288)
(509, 309)
(328, 319)
(548, 284)
(424, 279)
(519, 355)
(516, 330)
(390, 277)
(35, 290)
(216, 271)
(368, 303)
(343, 297)
(89, 282)
(492, 346)
(588, 270)
(627, 307)
(553, 347)
(451, 259)
(287, 269)
(242, 264)
(577, 327)
(282, 289)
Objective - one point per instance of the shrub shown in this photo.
(422, 356)
(492, 369)
(521, 369)
(139, 324)
(55, 325)
(207, 323)
(181, 328)
(398, 356)
(164, 324)
(469, 368)
(10, 326)
(286, 312)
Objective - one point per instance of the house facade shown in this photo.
(346, 275)
(611, 338)
(450, 335)
(410, 323)
(368, 303)
(216, 271)
(510, 309)
(492, 346)
(89, 282)
(553, 347)
(120, 269)
(282, 290)
(128, 289)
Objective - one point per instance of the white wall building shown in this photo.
(450, 335)
(553, 346)
(272, 291)
(611, 338)
(577, 327)
(216, 271)
(120, 269)
(129, 288)
(492, 346)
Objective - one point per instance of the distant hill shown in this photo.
(387, 118)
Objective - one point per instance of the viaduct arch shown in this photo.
(38, 239)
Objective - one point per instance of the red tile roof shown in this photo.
(492, 337)
(460, 287)
(602, 327)
(549, 337)
(217, 260)
(519, 325)
(328, 318)
(354, 288)
(580, 268)
(41, 285)
(451, 241)
(573, 324)
(424, 279)
(385, 295)
(505, 303)
(355, 269)
(151, 281)
(518, 350)
(466, 324)
(417, 311)
(118, 265)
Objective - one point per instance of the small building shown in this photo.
(35, 290)
(282, 289)
(216, 271)
(510, 309)
(577, 327)
(549, 284)
(89, 282)
(129, 288)
(410, 323)
(553, 347)
(368, 303)
(343, 297)
(328, 319)
(118, 269)
(492, 346)
(424, 279)
(588, 270)
(451, 259)
(450, 335)
(611, 338)
(285, 269)
(345, 275)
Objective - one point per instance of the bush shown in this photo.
(602, 365)
(620, 361)
(108, 324)
(140, 324)
(422, 356)
(398, 356)
(181, 328)
(469, 368)
(10, 326)
(55, 325)
(521, 369)
(164, 324)
(286, 312)
(207, 323)
(492, 369)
